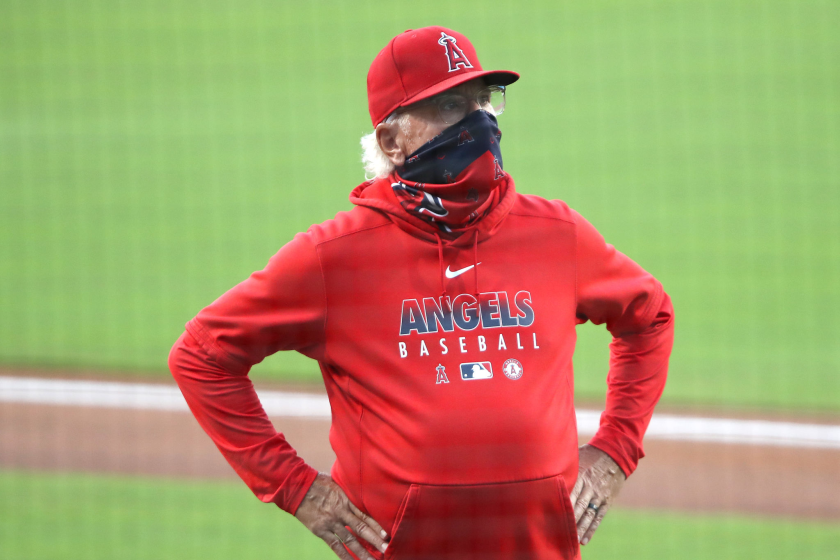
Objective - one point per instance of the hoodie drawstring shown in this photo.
(475, 265)
(440, 260)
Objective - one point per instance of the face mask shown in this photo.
(455, 178)
(442, 159)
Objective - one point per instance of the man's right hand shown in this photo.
(327, 512)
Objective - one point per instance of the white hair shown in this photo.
(375, 162)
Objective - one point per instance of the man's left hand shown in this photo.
(599, 481)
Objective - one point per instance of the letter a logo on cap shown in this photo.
(454, 55)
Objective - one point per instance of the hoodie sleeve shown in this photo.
(281, 307)
(613, 290)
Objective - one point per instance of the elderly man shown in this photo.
(442, 312)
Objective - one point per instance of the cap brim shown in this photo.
(492, 77)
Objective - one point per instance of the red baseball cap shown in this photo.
(421, 63)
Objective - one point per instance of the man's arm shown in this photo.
(614, 290)
(638, 369)
(228, 409)
(282, 307)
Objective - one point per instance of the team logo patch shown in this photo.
(512, 369)
(476, 370)
(454, 55)
(441, 375)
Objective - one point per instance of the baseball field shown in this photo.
(153, 154)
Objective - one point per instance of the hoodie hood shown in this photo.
(380, 194)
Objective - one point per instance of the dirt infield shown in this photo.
(674, 475)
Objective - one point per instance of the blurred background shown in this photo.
(153, 154)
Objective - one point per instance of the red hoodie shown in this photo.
(448, 366)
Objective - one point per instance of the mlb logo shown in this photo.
(476, 370)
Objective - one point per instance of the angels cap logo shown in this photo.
(512, 369)
(454, 55)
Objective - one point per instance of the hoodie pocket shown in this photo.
(508, 521)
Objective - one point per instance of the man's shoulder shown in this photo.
(533, 206)
(347, 223)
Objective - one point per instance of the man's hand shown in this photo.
(599, 481)
(327, 512)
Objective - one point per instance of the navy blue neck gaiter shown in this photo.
(442, 159)
(456, 178)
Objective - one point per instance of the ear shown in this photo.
(389, 137)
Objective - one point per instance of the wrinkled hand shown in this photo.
(599, 481)
(327, 512)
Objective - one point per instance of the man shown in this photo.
(442, 312)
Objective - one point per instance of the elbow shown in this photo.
(176, 357)
(189, 362)
(665, 315)
(662, 326)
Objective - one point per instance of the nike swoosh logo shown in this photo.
(455, 273)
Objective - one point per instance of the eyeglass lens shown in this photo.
(454, 107)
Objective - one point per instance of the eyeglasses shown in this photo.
(453, 107)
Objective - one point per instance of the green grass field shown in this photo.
(153, 154)
(67, 517)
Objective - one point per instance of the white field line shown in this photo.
(144, 396)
